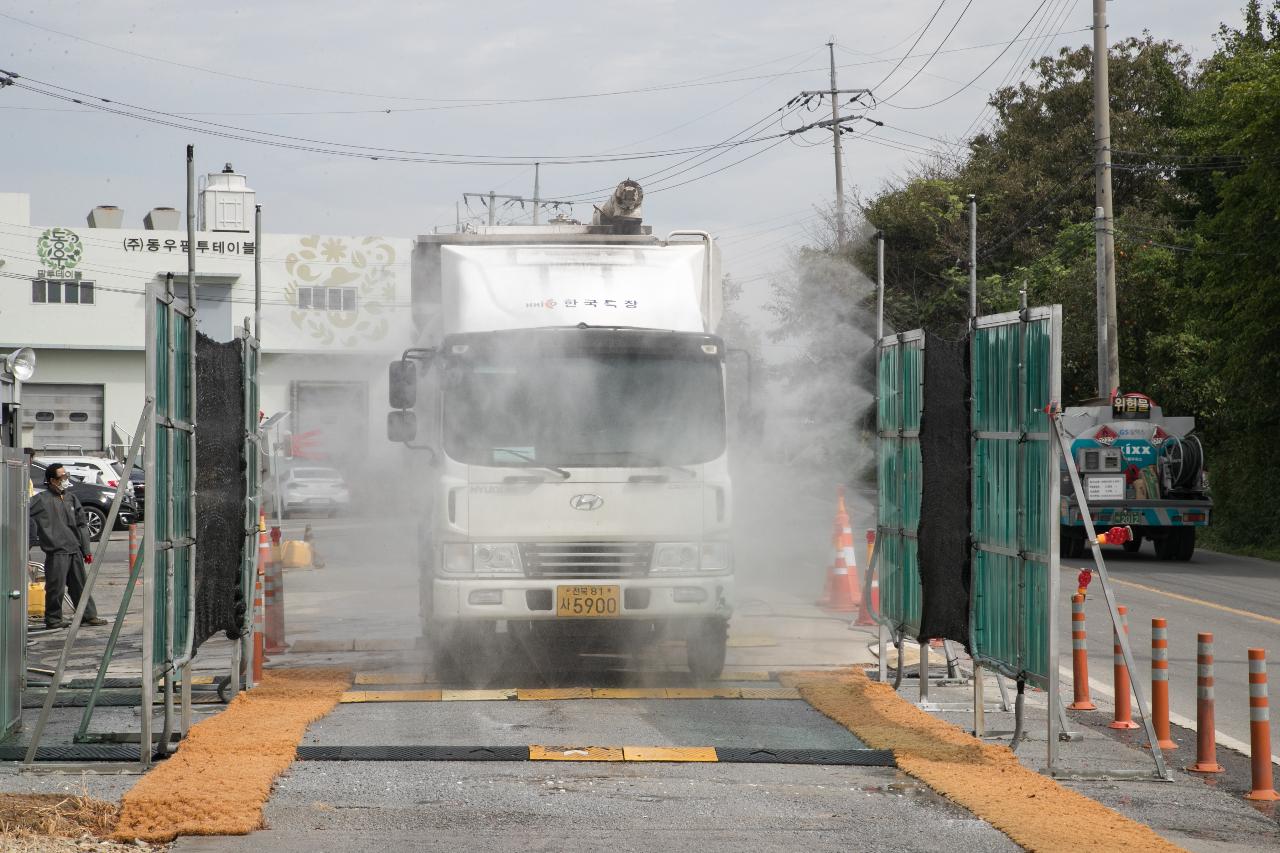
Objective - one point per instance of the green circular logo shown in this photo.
(59, 248)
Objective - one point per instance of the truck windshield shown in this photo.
(585, 410)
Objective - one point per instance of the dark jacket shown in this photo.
(61, 523)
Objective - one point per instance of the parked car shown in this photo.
(95, 499)
(314, 489)
(92, 469)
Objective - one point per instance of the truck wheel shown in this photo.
(1167, 545)
(1071, 544)
(1186, 544)
(705, 649)
(1134, 545)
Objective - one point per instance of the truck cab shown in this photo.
(568, 416)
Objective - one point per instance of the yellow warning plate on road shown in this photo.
(589, 601)
(575, 753)
(670, 753)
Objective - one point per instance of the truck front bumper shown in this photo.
(525, 599)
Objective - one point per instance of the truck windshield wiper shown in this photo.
(535, 463)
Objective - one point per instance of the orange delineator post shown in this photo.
(1124, 710)
(273, 605)
(1079, 658)
(831, 569)
(1260, 729)
(1160, 682)
(133, 552)
(845, 596)
(259, 626)
(1206, 736)
(866, 608)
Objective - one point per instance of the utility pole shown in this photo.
(491, 201)
(836, 129)
(973, 259)
(537, 169)
(879, 286)
(1104, 225)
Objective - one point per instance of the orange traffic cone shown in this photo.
(845, 595)
(827, 589)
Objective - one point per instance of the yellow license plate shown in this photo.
(588, 602)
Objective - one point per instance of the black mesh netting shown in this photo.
(220, 488)
(945, 558)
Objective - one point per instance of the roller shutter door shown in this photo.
(65, 417)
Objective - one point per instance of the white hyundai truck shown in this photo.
(567, 398)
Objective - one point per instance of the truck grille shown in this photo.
(586, 559)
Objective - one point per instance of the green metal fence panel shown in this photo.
(14, 482)
(899, 368)
(1015, 374)
(169, 534)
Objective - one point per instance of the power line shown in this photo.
(925, 64)
(914, 44)
(980, 74)
(300, 143)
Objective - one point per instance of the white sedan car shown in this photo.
(319, 490)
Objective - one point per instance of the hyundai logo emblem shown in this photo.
(586, 503)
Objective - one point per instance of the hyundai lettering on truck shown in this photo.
(566, 402)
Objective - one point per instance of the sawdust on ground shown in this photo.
(1032, 809)
(221, 775)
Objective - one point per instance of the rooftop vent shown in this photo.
(106, 216)
(162, 219)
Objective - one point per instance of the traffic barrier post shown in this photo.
(1079, 658)
(1160, 682)
(1260, 729)
(1206, 734)
(865, 607)
(1124, 708)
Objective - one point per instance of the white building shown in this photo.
(335, 310)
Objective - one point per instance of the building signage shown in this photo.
(213, 247)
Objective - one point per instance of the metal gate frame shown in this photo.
(1015, 362)
(14, 485)
(899, 400)
(168, 548)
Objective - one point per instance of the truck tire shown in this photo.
(1186, 544)
(1167, 545)
(1133, 546)
(705, 649)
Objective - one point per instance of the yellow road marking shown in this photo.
(704, 693)
(354, 696)
(628, 693)
(770, 693)
(477, 695)
(746, 676)
(553, 693)
(575, 753)
(1248, 614)
(669, 753)
(391, 678)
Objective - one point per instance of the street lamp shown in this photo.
(20, 364)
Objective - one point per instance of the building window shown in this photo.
(44, 417)
(56, 292)
(327, 298)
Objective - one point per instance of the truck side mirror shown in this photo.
(402, 389)
(402, 426)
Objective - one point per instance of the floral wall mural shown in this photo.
(341, 290)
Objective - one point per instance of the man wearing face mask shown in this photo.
(64, 536)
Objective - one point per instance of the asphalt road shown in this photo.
(1237, 599)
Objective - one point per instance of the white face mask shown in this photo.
(62, 483)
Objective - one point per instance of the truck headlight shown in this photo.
(716, 557)
(675, 557)
(496, 558)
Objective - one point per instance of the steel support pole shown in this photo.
(979, 703)
(1102, 189)
(537, 168)
(493, 200)
(973, 259)
(879, 285)
(257, 271)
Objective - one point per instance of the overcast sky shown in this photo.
(714, 69)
